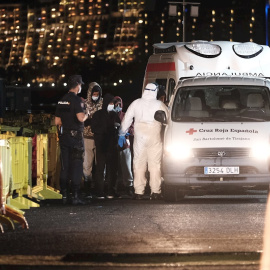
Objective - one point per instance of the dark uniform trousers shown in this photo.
(72, 152)
(106, 160)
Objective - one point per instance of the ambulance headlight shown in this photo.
(204, 49)
(178, 151)
(260, 151)
(247, 49)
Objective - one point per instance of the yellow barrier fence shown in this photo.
(42, 190)
(5, 153)
(54, 164)
(21, 153)
(12, 213)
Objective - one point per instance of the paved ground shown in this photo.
(200, 225)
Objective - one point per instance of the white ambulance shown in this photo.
(217, 137)
(171, 62)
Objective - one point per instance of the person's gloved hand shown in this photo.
(127, 134)
(121, 140)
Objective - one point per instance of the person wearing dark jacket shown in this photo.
(93, 103)
(104, 125)
(124, 153)
(70, 115)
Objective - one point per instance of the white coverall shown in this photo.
(147, 138)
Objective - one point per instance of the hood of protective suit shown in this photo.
(108, 98)
(93, 87)
(150, 91)
(143, 109)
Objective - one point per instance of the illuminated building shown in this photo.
(123, 31)
(54, 30)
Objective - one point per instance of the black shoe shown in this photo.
(113, 195)
(155, 196)
(100, 196)
(138, 196)
(76, 200)
(130, 191)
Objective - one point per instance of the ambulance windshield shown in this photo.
(221, 104)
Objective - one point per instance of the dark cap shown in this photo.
(75, 79)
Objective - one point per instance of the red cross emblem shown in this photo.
(191, 131)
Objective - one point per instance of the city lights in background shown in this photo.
(123, 32)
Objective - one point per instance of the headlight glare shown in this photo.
(179, 151)
(260, 151)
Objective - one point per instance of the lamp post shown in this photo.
(194, 12)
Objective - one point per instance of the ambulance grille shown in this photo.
(200, 170)
(221, 152)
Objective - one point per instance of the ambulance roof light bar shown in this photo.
(204, 49)
(247, 49)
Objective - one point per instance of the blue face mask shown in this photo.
(118, 109)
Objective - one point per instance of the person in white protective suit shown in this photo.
(147, 140)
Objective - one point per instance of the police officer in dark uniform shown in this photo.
(69, 117)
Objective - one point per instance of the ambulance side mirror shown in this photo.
(160, 116)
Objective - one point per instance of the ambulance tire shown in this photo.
(172, 193)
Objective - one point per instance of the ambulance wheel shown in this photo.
(172, 193)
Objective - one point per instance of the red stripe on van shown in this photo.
(160, 67)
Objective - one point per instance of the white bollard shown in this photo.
(265, 257)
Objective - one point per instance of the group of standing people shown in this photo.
(95, 138)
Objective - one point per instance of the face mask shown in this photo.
(95, 98)
(110, 107)
(80, 90)
(118, 109)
